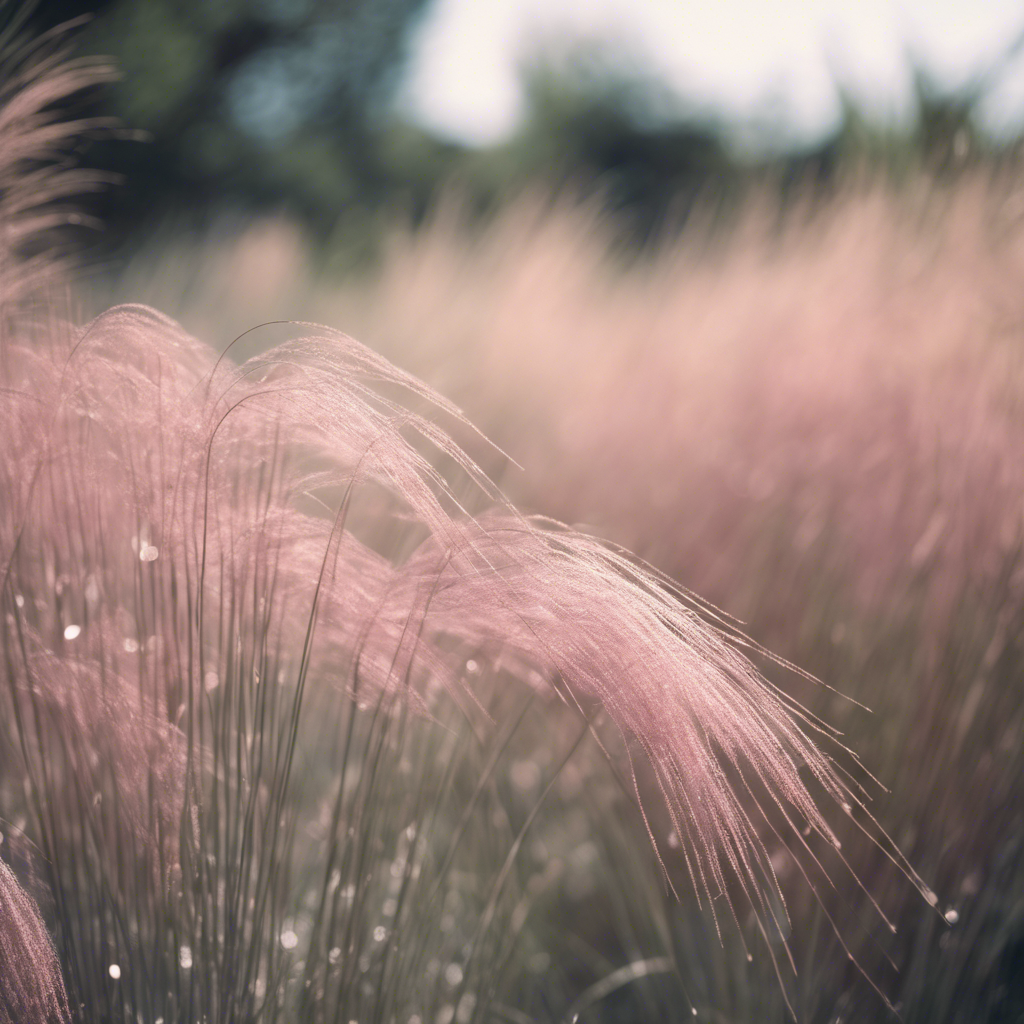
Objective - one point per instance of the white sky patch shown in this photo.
(742, 59)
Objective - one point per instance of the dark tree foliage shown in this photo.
(608, 130)
(248, 105)
(238, 103)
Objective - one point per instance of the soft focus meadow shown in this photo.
(303, 719)
(813, 419)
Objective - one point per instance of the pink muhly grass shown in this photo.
(34, 172)
(854, 367)
(173, 523)
(157, 515)
(31, 986)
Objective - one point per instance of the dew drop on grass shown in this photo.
(539, 963)
(334, 955)
(72, 631)
(525, 775)
(951, 916)
(149, 553)
(453, 975)
(289, 939)
(930, 898)
(211, 681)
(185, 957)
(380, 933)
(114, 970)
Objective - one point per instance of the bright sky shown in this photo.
(737, 58)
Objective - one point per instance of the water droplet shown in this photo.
(19, 600)
(453, 975)
(539, 963)
(334, 955)
(211, 681)
(467, 1004)
(380, 933)
(525, 775)
(131, 645)
(750, 958)
(185, 957)
(289, 939)
(930, 897)
(70, 632)
(472, 667)
(951, 916)
(114, 971)
(149, 553)
(673, 839)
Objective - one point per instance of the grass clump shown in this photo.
(266, 683)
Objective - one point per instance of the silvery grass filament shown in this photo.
(169, 515)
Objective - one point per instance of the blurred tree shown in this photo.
(286, 104)
(597, 124)
(249, 103)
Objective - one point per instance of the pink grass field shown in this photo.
(857, 363)
(171, 517)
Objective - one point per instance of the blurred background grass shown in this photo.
(788, 375)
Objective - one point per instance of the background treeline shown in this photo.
(253, 106)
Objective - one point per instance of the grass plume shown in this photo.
(236, 599)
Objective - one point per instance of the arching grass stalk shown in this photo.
(237, 612)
